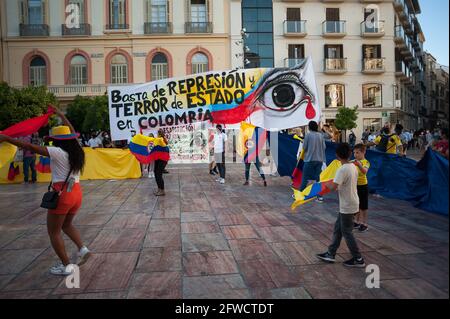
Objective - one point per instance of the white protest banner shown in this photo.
(273, 99)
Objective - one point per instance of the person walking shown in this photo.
(220, 138)
(314, 150)
(161, 163)
(29, 159)
(254, 149)
(67, 161)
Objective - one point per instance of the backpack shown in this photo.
(382, 146)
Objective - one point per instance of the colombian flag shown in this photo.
(251, 141)
(297, 175)
(317, 189)
(43, 166)
(13, 171)
(7, 153)
(148, 149)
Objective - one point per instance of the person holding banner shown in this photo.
(67, 160)
(220, 139)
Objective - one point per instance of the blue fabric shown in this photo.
(425, 184)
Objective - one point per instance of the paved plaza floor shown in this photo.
(205, 240)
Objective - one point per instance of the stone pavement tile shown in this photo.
(29, 294)
(199, 227)
(159, 259)
(249, 249)
(8, 236)
(14, 261)
(299, 253)
(163, 239)
(414, 288)
(92, 219)
(5, 279)
(209, 263)
(260, 220)
(203, 242)
(189, 217)
(103, 272)
(127, 221)
(283, 233)
(387, 244)
(165, 225)
(281, 293)
(215, 287)
(100, 210)
(118, 240)
(157, 285)
(239, 232)
(422, 239)
(268, 274)
(432, 268)
(195, 205)
(32, 280)
(226, 219)
(98, 295)
(441, 251)
(167, 213)
(343, 248)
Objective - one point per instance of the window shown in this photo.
(371, 51)
(296, 51)
(199, 63)
(157, 11)
(117, 14)
(81, 7)
(119, 69)
(372, 95)
(332, 23)
(293, 14)
(32, 11)
(78, 70)
(38, 72)
(334, 95)
(160, 67)
(332, 14)
(199, 12)
(334, 51)
(373, 125)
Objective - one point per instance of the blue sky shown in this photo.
(434, 22)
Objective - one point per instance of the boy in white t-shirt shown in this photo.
(345, 181)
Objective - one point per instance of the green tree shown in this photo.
(89, 113)
(17, 105)
(346, 119)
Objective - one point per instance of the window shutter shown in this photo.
(332, 14)
(208, 5)
(44, 12)
(188, 10)
(364, 52)
(168, 4)
(379, 51)
(341, 51)
(302, 51)
(325, 54)
(23, 9)
(293, 14)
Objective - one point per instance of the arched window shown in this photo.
(78, 70)
(160, 67)
(334, 95)
(119, 69)
(200, 63)
(372, 95)
(38, 72)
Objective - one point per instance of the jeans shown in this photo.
(159, 171)
(344, 228)
(311, 172)
(220, 162)
(258, 167)
(29, 163)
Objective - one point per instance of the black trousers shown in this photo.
(159, 172)
(220, 162)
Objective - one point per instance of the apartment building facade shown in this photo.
(99, 42)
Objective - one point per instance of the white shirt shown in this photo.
(371, 138)
(219, 141)
(60, 166)
(347, 179)
(95, 142)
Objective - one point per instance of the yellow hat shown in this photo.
(62, 133)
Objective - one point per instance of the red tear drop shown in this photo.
(310, 111)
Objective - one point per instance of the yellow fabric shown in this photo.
(245, 133)
(7, 154)
(326, 175)
(394, 142)
(362, 178)
(101, 163)
(60, 130)
(145, 140)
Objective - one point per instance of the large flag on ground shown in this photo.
(148, 149)
(273, 99)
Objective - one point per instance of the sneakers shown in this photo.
(246, 183)
(363, 228)
(212, 172)
(326, 257)
(60, 270)
(265, 184)
(222, 181)
(319, 199)
(159, 192)
(355, 262)
(83, 255)
(218, 179)
(356, 225)
(151, 175)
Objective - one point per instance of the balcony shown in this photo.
(372, 30)
(34, 30)
(84, 29)
(198, 27)
(70, 91)
(403, 72)
(335, 29)
(335, 66)
(407, 50)
(117, 27)
(157, 28)
(373, 66)
(400, 37)
(290, 62)
(295, 28)
(400, 8)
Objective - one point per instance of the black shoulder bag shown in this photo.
(51, 198)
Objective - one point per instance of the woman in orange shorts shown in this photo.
(66, 162)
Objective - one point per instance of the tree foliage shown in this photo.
(89, 113)
(346, 118)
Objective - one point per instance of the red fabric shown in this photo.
(29, 126)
